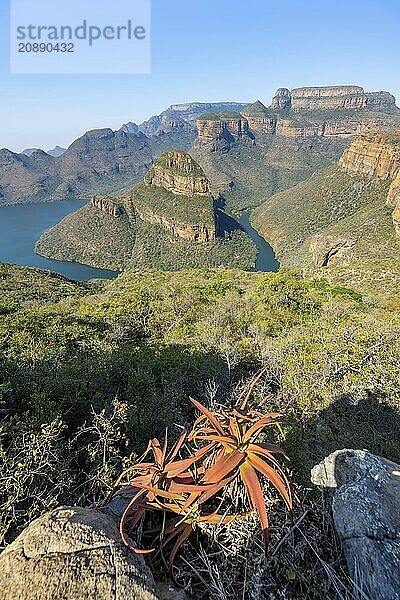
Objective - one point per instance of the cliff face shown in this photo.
(372, 156)
(107, 205)
(377, 157)
(186, 231)
(259, 120)
(332, 98)
(221, 132)
(179, 174)
(176, 195)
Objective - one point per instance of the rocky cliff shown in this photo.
(176, 194)
(107, 205)
(377, 156)
(179, 174)
(221, 132)
(374, 155)
(332, 98)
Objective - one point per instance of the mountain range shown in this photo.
(250, 151)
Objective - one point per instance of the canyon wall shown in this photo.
(332, 98)
(107, 205)
(377, 156)
(179, 174)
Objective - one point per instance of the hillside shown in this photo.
(242, 147)
(90, 373)
(261, 151)
(342, 218)
(169, 221)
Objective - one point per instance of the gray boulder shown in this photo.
(73, 554)
(365, 492)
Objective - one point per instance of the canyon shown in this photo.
(170, 217)
(104, 161)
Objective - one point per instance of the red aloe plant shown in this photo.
(221, 447)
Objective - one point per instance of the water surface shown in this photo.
(266, 260)
(22, 225)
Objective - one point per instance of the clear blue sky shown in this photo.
(208, 50)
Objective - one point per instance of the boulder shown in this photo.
(365, 492)
(73, 554)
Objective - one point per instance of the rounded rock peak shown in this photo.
(179, 173)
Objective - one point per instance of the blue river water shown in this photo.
(21, 226)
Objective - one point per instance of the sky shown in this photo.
(206, 51)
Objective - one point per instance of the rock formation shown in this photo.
(259, 120)
(332, 98)
(73, 554)
(329, 251)
(220, 133)
(179, 174)
(107, 205)
(366, 512)
(396, 218)
(189, 191)
(374, 155)
(377, 156)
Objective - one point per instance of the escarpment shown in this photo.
(176, 194)
(375, 155)
(345, 218)
(179, 174)
(332, 98)
(167, 222)
(221, 132)
(107, 205)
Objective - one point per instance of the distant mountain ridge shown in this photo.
(107, 161)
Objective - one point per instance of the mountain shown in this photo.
(171, 220)
(56, 151)
(344, 219)
(261, 151)
(249, 151)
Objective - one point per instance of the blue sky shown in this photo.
(208, 51)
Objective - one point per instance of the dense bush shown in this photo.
(89, 372)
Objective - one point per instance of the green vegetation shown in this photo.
(231, 115)
(156, 248)
(333, 203)
(90, 372)
(148, 340)
(256, 110)
(197, 209)
(209, 116)
(249, 174)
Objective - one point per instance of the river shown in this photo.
(21, 225)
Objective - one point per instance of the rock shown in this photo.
(179, 174)
(107, 205)
(329, 250)
(282, 99)
(366, 512)
(393, 198)
(373, 155)
(259, 119)
(73, 554)
(396, 218)
(220, 133)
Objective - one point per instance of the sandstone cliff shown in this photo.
(176, 195)
(377, 156)
(221, 132)
(107, 205)
(332, 98)
(179, 174)
(374, 155)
